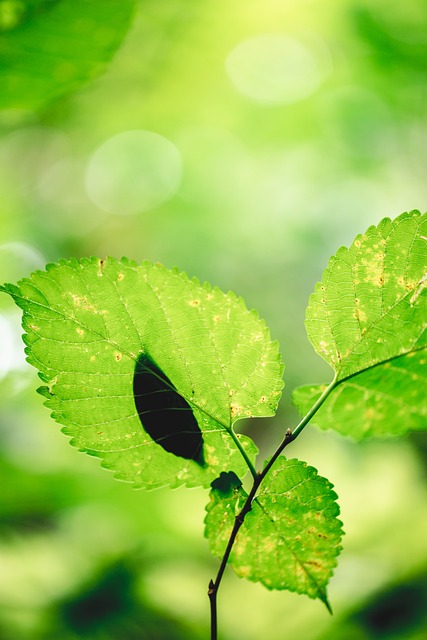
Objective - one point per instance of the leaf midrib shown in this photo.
(379, 364)
(373, 325)
(311, 578)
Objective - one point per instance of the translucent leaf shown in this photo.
(386, 400)
(367, 319)
(49, 48)
(88, 323)
(291, 537)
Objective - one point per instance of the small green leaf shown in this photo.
(367, 319)
(52, 47)
(87, 325)
(291, 537)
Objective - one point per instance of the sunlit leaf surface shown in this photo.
(49, 48)
(91, 323)
(367, 319)
(291, 537)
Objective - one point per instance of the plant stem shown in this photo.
(258, 478)
(243, 452)
(214, 584)
(290, 436)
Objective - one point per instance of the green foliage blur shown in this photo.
(243, 142)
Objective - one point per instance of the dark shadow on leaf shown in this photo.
(165, 415)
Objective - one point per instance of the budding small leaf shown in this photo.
(291, 537)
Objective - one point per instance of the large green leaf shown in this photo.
(52, 47)
(291, 537)
(88, 323)
(367, 319)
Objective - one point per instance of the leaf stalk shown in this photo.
(243, 452)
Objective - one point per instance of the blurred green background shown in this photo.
(244, 142)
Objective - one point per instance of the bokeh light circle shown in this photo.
(274, 69)
(133, 171)
(19, 259)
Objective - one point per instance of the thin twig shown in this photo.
(290, 436)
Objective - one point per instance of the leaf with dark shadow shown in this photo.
(165, 415)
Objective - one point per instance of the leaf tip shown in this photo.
(324, 598)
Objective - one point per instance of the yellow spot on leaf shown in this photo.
(245, 571)
(374, 269)
(120, 276)
(360, 315)
(269, 545)
(372, 414)
(52, 383)
(299, 570)
(83, 303)
(80, 331)
(235, 409)
(118, 356)
(194, 303)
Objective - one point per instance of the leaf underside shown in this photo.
(91, 323)
(290, 539)
(54, 47)
(367, 319)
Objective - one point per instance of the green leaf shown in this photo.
(87, 325)
(51, 47)
(291, 537)
(386, 400)
(367, 319)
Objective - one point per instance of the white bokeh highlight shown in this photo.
(132, 172)
(276, 69)
(12, 356)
